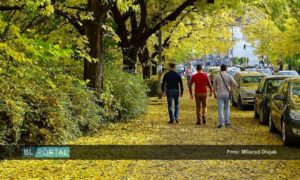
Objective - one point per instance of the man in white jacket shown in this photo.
(223, 84)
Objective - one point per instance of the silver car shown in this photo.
(244, 93)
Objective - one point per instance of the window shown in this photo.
(295, 88)
(281, 87)
(261, 86)
(251, 79)
(272, 85)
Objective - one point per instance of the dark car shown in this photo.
(266, 88)
(285, 111)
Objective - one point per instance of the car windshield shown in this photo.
(266, 71)
(251, 79)
(272, 85)
(292, 73)
(250, 70)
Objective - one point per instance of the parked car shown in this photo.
(285, 111)
(212, 75)
(250, 70)
(212, 68)
(289, 73)
(243, 94)
(266, 71)
(266, 88)
(233, 70)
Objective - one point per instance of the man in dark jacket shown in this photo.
(173, 83)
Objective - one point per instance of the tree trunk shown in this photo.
(154, 68)
(144, 58)
(146, 72)
(93, 71)
(160, 64)
(129, 58)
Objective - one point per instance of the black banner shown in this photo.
(152, 152)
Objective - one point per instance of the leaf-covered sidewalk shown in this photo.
(153, 128)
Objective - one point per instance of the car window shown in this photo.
(284, 89)
(251, 79)
(295, 88)
(261, 86)
(280, 88)
(272, 85)
(266, 71)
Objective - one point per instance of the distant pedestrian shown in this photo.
(174, 87)
(200, 79)
(223, 84)
(188, 74)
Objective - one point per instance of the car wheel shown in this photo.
(285, 138)
(240, 103)
(262, 118)
(233, 102)
(256, 116)
(271, 124)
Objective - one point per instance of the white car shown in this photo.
(289, 73)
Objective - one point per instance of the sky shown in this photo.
(238, 49)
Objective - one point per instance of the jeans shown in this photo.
(223, 109)
(173, 94)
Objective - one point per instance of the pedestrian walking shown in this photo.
(201, 81)
(172, 87)
(223, 85)
(188, 74)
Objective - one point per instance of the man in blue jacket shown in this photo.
(172, 86)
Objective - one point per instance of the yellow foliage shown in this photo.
(154, 129)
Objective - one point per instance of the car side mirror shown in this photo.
(279, 97)
(257, 92)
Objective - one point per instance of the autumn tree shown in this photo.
(87, 17)
(135, 26)
(273, 28)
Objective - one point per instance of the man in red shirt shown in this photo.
(200, 79)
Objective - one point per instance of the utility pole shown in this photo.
(159, 67)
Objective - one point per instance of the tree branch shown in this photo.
(169, 18)
(71, 19)
(143, 20)
(158, 15)
(121, 26)
(30, 24)
(2, 36)
(10, 8)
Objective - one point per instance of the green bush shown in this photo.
(152, 84)
(129, 92)
(44, 101)
(44, 104)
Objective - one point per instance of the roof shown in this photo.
(250, 73)
(288, 71)
(277, 77)
(297, 79)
